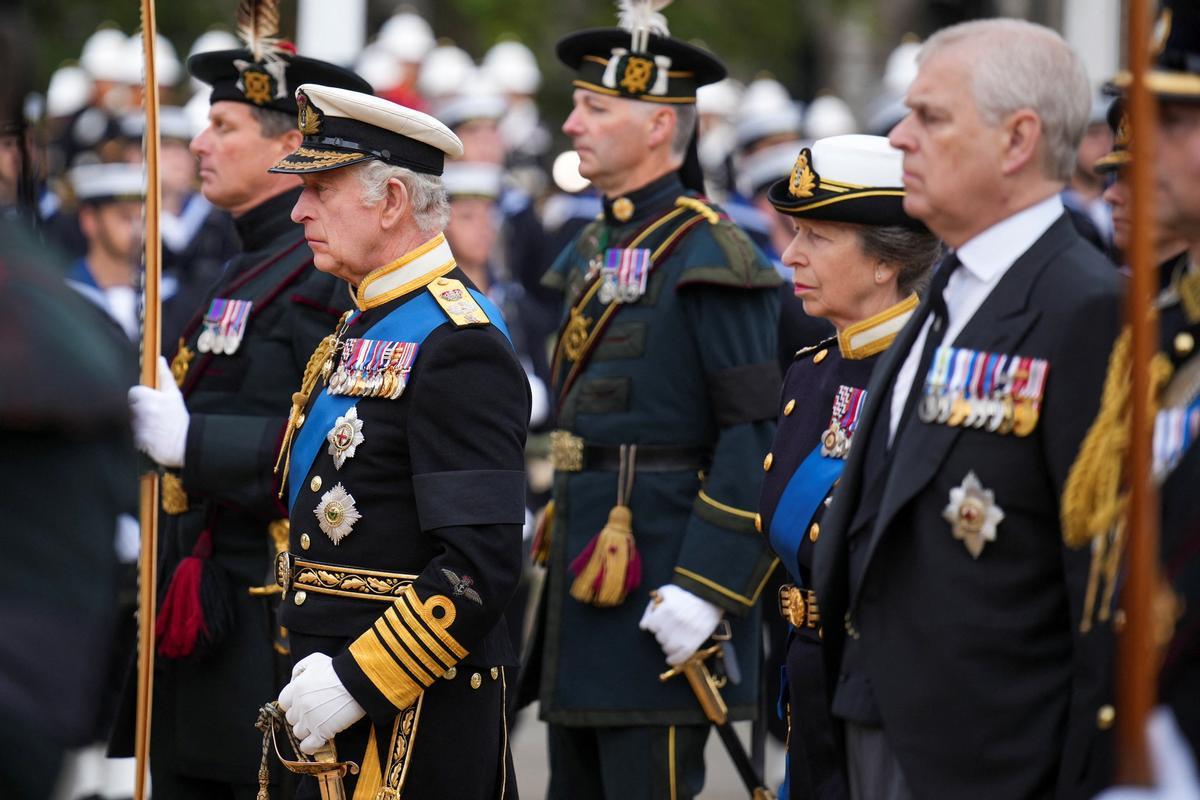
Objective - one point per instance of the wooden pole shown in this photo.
(1137, 665)
(151, 345)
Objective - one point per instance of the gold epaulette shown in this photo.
(700, 207)
(457, 302)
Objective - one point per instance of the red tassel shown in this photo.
(610, 566)
(181, 617)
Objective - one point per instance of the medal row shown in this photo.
(835, 442)
(224, 326)
(996, 392)
(373, 368)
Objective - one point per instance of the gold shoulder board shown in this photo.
(457, 302)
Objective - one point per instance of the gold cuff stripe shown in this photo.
(383, 671)
(736, 512)
(403, 655)
(423, 623)
(433, 663)
(437, 625)
(719, 589)
(417, 639)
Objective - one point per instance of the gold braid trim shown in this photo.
(700, 207)
(312, 374)
(1095, 498)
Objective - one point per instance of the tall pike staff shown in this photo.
(151, 335)
(1137, 663)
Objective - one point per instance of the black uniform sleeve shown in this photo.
(467, 426)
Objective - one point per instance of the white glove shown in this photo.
(680, 621)
(318, 706)
(160, 419)
(1174, 769)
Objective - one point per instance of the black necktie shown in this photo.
(937, 332)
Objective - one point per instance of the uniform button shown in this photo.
(758, 522)
(1105, 717)
(1184, 343)
(768, 461)
(315, 483)
(300, 421)
(305, 542)
(789, 408)
(476, 680)
(814, 532)
(820, 356)
(820, 632)
(495, 673)
(1119, 620)
(300, 598)
(443, 281)
(451, 673)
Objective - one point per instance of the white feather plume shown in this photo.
(634, 15)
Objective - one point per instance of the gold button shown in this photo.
(451, 673)
(300, 598)
(495, 673)
(305, 542)
(1184, 343)
(820, 632)
(300, 421)
(1105, 717)
(443, 281)
(789, 408)
(315, 483)
(476, 680)
(820, 356)
(1119, 620)
(814, 532)
(768, 461)
(758, 522)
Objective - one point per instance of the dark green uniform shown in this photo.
(687, 373)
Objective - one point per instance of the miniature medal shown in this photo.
(344, 437)
(624, 274)
(336, 513)
(973, 514)
(835, 442)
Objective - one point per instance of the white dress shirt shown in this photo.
(986, 259)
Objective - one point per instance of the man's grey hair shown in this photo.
(911, 251)
(430, 207)
(1017, 64)
(273, 122)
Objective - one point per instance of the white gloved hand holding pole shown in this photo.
(160, 419)
(318, 706)
(680, 621)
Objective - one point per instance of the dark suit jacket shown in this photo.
(985, 686)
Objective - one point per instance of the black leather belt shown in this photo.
(570, 453)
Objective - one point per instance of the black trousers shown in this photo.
(644, 762)
(815, 755)
(459, 740)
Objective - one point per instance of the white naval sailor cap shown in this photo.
(342, 127)
(473, 179)
(98, 183)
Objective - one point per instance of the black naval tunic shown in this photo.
(409, 598)
(807, 404)
(205, 705)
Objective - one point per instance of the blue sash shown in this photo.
(411, 322)
(809, 485)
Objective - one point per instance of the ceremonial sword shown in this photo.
(708, 694)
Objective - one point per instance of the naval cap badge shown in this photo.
(344, 437)
(973, 514)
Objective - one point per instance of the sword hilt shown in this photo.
(703, 684)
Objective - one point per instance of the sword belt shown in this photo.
(338, 580)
